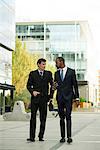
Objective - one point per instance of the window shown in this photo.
(80, 76)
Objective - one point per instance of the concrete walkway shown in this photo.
(85, 128)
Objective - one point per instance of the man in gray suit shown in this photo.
(67, 90)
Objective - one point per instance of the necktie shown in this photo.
(61, 75)
(41, 73)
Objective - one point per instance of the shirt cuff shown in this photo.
(77, 99)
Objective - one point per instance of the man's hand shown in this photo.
(50, 101)
(54, 86)
(35, 93)
(77, 101)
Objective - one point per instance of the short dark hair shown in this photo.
(41, 60)
(61, 59)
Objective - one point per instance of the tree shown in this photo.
(22, 63)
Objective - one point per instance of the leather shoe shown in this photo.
(31, 140)
(62, 140)
(41, 139)
(69, 140)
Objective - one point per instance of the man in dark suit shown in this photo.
(67, 90)
(38, 86)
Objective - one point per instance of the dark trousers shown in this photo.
(64, 110)
(42, 114)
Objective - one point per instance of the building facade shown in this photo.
(7, 39)
(7, 43)
(52, 39)
(97, 89)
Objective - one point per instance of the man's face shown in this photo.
(42, 65)
(58, 63)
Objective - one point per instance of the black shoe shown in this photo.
(41, 139)
(69, 140)
(62, 140)
(31, 140)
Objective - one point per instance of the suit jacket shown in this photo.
(68, 88)
(41, 84)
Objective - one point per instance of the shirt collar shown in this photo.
(41, 71)
(65, 68)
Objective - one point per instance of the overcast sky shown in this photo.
(57, 9)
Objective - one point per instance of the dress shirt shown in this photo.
(64, 71)
(41, 72)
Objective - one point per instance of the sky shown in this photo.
(64, 10)
(57, 9)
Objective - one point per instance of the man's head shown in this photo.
(41, 63)
(60, 62)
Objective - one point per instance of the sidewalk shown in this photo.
(87, 137)
(85, 129)
(91, 109)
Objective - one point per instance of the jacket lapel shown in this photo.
(44, 74)
(65, 74)
(37, 75)
(59, 76)
(41, 77)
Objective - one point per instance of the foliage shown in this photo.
(22, 63)
(82, 99)
(7, 100)
(0, 100)
(23, 96)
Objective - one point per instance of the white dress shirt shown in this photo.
(64, 71)
(41, 72)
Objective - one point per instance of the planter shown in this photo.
(85, 105)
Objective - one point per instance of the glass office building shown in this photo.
(7, 39)
(7, 45)
(53, 39)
